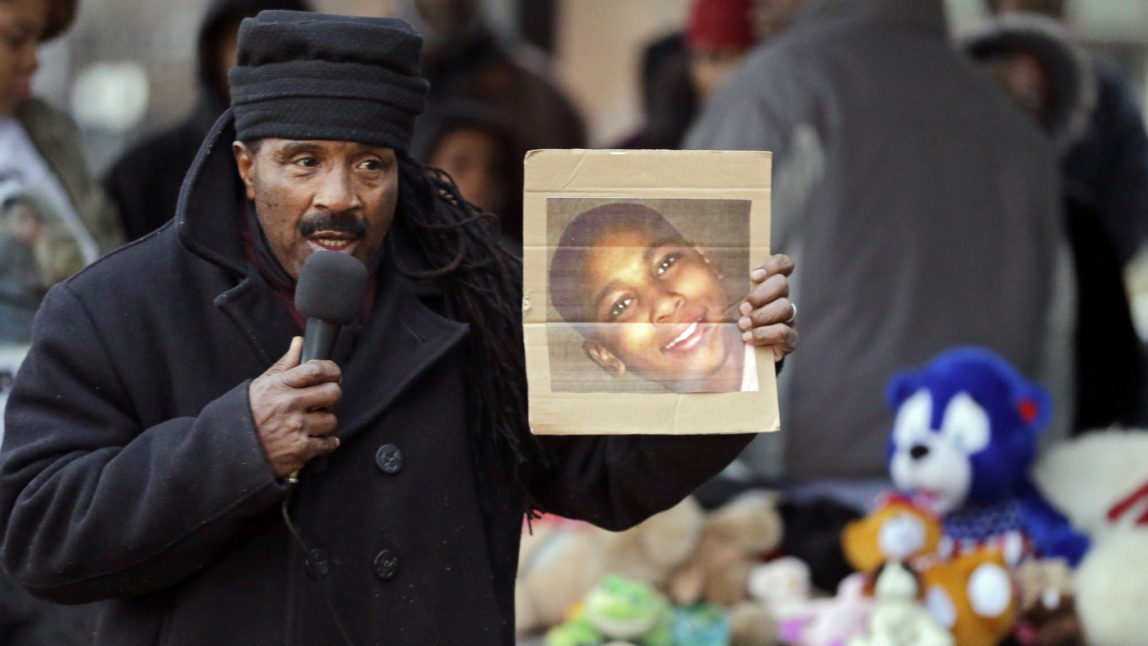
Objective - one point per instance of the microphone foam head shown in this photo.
(330, 287)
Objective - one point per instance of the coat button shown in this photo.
(389, 459)
(386, 564)
(318, 564)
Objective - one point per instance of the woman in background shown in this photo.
(474, 144)
(53, 209)
(54, 219)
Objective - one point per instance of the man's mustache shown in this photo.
(344, 222)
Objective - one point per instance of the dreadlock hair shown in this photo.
(482, 286)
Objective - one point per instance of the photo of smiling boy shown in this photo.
(654, 309)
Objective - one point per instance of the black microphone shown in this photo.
(329, 293)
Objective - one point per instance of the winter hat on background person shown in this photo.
(315, 76)
(220, 22)
(1071, 92)
(720, 24)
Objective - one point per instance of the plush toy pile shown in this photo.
(979, 544)
(698, 562)
(1009, 549)
(619, 611)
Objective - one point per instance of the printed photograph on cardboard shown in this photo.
(644, 295)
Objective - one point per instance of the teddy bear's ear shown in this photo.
(1035, 406)
(901, 386)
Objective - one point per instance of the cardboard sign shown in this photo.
(634, 265)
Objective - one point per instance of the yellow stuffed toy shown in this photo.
(897, 530)
(972, 595)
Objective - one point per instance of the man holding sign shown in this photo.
(155, 428)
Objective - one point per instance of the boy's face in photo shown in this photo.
(659, 305)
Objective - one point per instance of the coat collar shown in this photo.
(401, 341)
(380, 358)
(205, 215)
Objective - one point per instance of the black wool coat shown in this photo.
(131, 472)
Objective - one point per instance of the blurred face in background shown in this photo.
(1054, 8)
(473, 158)
(771, 17)
(21, 222)
(21, 25)
(448, 18)
(1026, 82)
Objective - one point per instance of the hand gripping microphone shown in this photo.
(329, 293)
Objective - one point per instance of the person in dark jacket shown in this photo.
(144, 182)
(465, 59)
(169, 456)
(1031, 57)
(1108, 162)
(54, 219)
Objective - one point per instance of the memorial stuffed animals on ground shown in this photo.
(966, 511)
(690, 556)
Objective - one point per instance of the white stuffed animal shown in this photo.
(1100, 481)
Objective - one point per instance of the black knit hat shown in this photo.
(304, 75)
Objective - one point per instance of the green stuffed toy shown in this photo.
(617, 610)
(629, 611)
(621, 612)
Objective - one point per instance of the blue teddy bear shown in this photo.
(964, 437)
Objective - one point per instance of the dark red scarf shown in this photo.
(258, 252)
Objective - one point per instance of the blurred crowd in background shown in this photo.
(596, 48)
